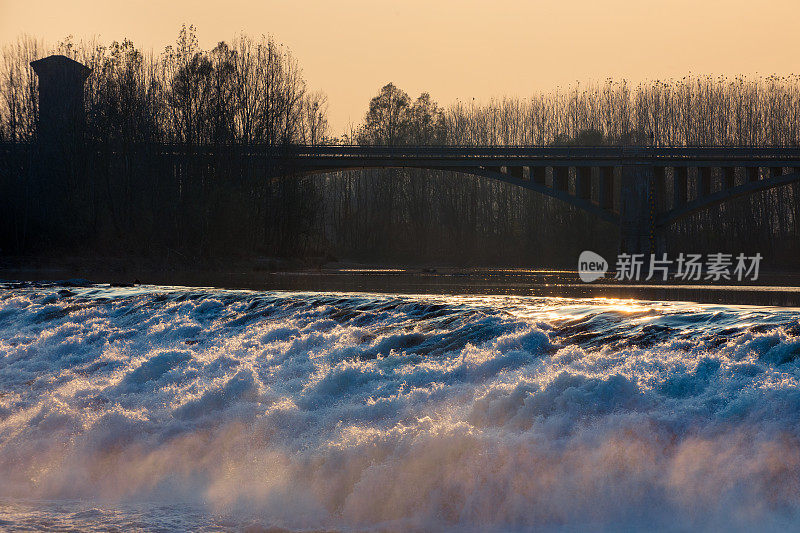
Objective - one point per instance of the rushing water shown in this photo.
(163, 408)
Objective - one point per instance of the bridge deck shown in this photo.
(454, 156)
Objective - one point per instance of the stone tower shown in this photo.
(61, 113)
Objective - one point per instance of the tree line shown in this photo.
(248, 91)
(126, 199)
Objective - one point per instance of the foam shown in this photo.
(356, 411)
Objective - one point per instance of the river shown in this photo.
(171, 408)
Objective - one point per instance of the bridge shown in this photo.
(641, 189)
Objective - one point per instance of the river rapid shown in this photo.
(168, 408)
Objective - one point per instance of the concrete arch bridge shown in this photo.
(641, 189)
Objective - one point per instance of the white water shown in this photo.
(178, 409)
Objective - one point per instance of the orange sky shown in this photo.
(453, 49)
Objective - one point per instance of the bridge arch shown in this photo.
(563, 195)
(636, 173)
(745, 189)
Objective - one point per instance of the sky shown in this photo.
(453, 49)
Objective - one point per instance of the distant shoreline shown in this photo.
(772, 289)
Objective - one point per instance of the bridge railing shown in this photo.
(466, 152)
(595, 153)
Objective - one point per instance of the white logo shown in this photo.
(591, 266)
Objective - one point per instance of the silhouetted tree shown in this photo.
(387, 119)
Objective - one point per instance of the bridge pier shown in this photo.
(680, 183)
(538, 175)
(605, 197)
(583, 183)
(703, 182)
(660, 188)
(637, 211)
(729, 174)
(561, 178)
